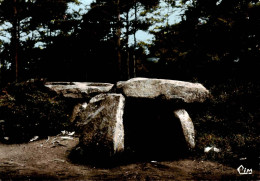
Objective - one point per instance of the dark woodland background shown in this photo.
(216, 40)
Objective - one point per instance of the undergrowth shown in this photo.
(230, 121)
(28, 109)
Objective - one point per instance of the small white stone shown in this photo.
(84, 105)
(6, 138)
(207, 149)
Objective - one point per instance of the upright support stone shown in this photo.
(101, 125)
(187, 126)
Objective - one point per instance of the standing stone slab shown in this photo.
(167, 89)
(187, 126)
(101, 125)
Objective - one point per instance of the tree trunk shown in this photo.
(134, 58)
(118, 33)
(15, 38)
(127, 46)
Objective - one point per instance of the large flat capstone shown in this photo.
(162, 88)
(79, 89)
(101, 125)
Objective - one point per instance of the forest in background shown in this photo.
(215, 40)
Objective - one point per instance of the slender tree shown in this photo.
(15, 37)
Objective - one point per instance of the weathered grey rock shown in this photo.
(187, 126)
(76, 110)
(166, 89)
(79, 89)
(101, 125)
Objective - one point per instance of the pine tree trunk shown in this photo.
(134, 58)
(15, 39)
(127, 46)
(119, 42)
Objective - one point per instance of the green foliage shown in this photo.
(29, 109)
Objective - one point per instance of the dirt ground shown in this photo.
(48, 159)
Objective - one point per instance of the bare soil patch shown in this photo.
(44, 159)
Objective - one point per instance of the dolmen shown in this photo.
(140, 113)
